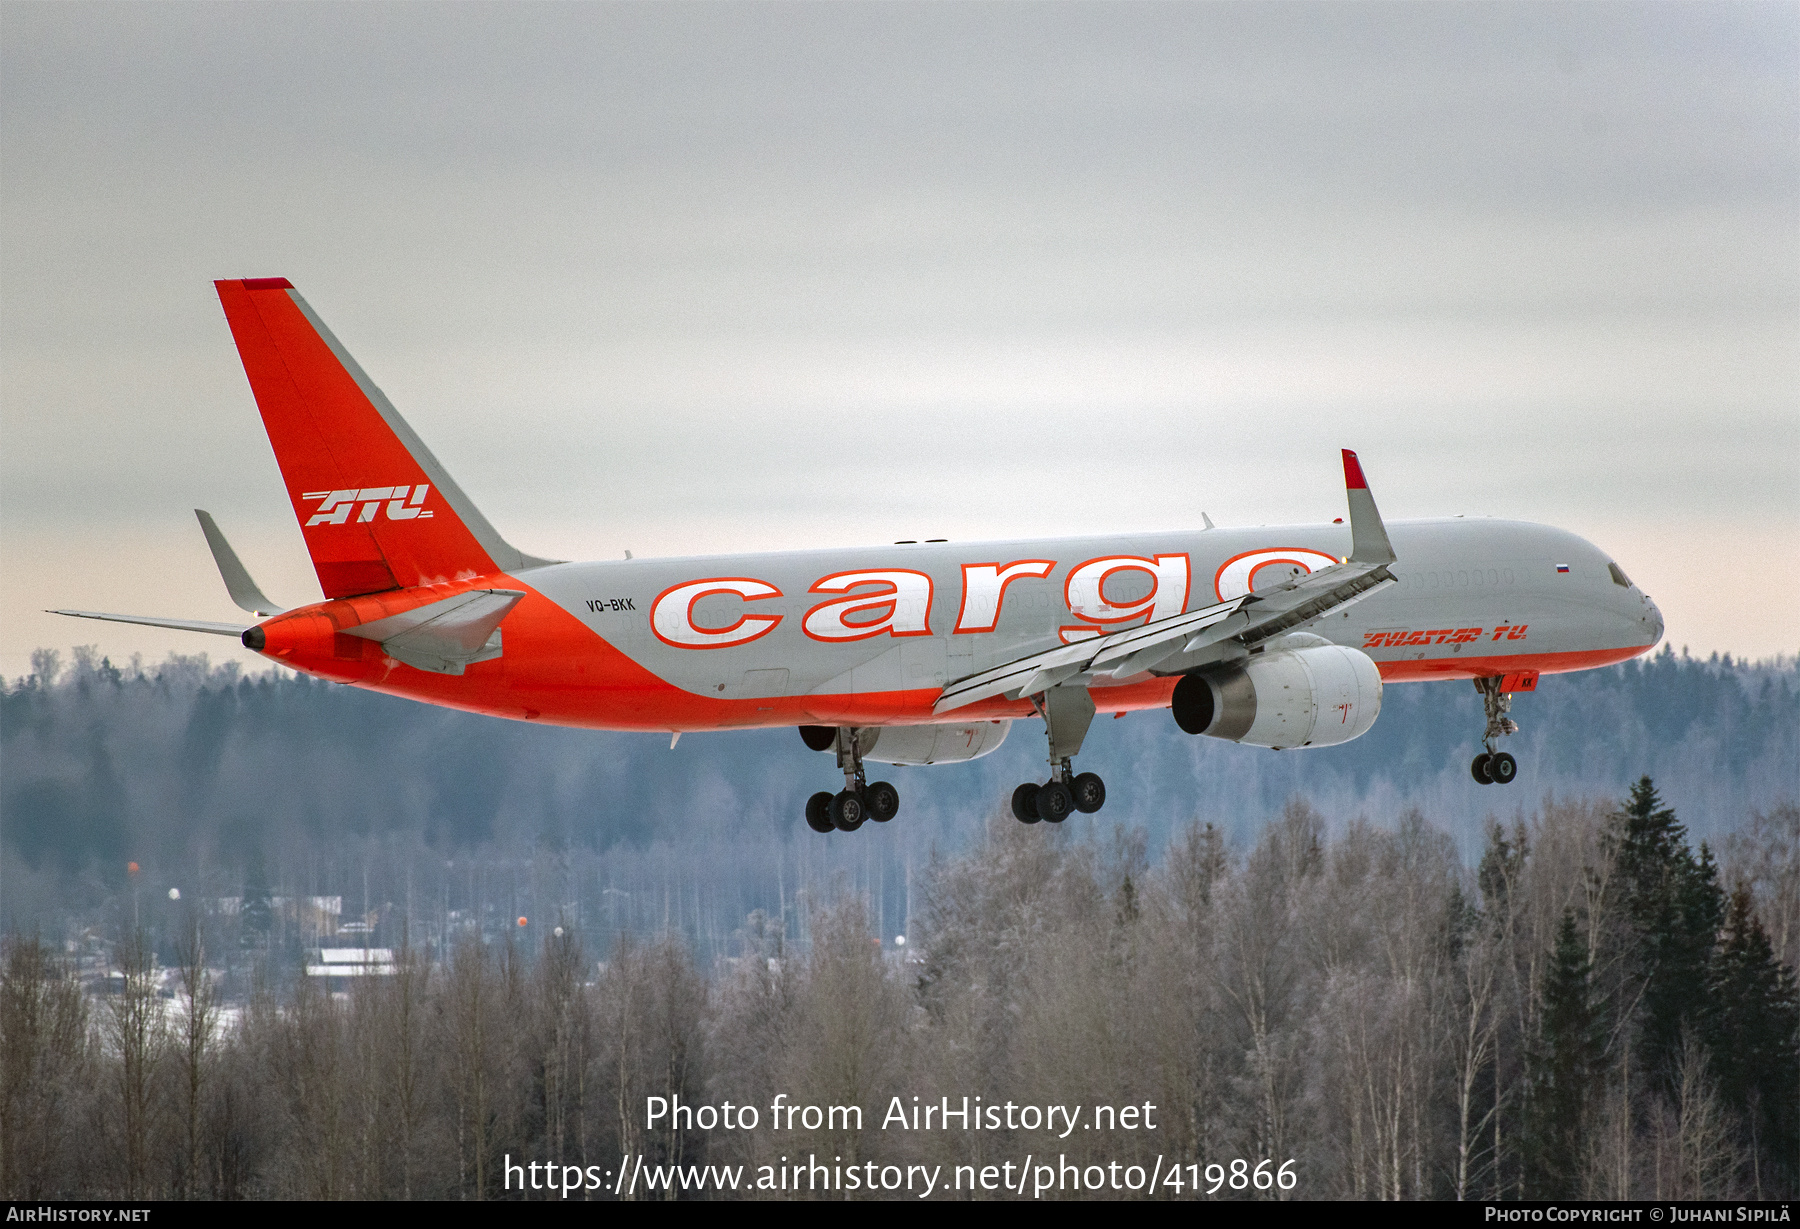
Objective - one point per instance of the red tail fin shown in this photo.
(377, 508)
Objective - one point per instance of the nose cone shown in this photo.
(1653, 619)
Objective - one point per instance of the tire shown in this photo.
(883, 801)
(848, 812)
(1089, 791)
(818, 812)
(1478, 768)
(1503, 768)
(1024, 803)
(1054, 802)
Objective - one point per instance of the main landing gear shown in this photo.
(1067, 712)
(858, 801)
(1495, 767)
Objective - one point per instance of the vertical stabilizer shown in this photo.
(376, 508)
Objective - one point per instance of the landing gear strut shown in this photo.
(858, 801)
(1067, 713)
(1494, 767)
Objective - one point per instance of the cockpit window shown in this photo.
(1618, 575)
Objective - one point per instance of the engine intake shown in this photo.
(1306, 697)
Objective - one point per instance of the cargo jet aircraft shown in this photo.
(914, 653)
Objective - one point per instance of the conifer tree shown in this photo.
(1565, 1069)
(1757, 1053)
(1673, 909)
(256, 915)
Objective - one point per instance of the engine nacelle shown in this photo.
(916, 744)
(1303, 697)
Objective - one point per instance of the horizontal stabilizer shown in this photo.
(180, 625)
(243, 590)
(445, 636)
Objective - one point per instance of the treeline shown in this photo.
(197, 773)
(1597, 1009)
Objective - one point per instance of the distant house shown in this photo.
(316, 916)
(352, 962)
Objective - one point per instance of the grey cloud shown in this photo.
(593, 251)
(1493, 101)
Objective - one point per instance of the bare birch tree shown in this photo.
(44, 1067)
(137, 1036)
(195, 1029)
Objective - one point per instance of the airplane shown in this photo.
(918, 652)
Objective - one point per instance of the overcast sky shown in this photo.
(679, 278)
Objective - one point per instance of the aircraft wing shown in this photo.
(1248, 620)
(1040, 671)
(1326, 591)
(184, 625)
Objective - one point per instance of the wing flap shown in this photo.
(1123, 646)
(1012, 677)
(1040, 671)
(1301, 601)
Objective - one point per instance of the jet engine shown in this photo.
(916, 744)
(1298, 697)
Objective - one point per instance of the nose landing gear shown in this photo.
(1067, 713)
(858, 801)
(1495, 767)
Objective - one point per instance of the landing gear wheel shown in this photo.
(1089, 791)
(1024, 803)
(1503, 768)
(883, 801)
(847, 811)
(1480, 769)
(818, 812)
(1054, 802)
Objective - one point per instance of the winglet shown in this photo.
(1368, 537)
(243, 590)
